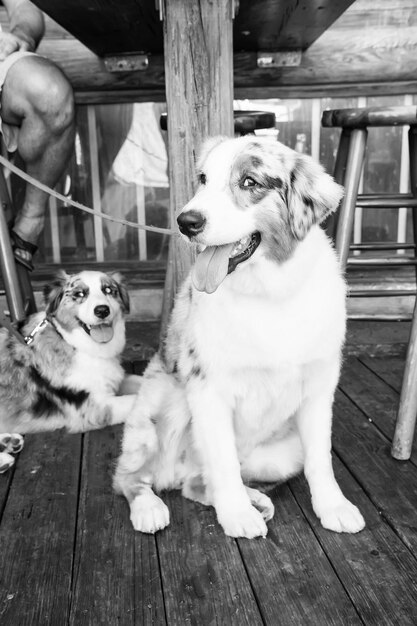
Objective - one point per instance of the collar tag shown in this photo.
(39, 327)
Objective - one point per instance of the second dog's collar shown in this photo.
(38, 328)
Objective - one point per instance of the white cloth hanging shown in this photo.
(142, 159)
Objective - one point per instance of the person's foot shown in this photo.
(23, 250)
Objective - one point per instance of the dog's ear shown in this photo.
(53, 293)
(312, 195)
(122, 289)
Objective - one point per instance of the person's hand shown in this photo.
(10, 43)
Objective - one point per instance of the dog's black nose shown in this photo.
(102, 311)
(191, 223)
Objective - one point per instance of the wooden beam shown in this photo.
(381, 61)
(285, 25)
(370, 50)
(110, 27)
(199, 95)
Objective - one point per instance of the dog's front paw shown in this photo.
(12, 443)
(6, 462)
(344, 517)
(148, 513)
(242, 522)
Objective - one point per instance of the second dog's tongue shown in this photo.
(102, 333)
(211, 266)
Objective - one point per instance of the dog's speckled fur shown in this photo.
(65, 378)
(244, 387)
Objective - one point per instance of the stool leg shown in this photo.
(412, 146)
(342, 156)
(330, 225)
(356, 155)
(9, 273)
(407, 412)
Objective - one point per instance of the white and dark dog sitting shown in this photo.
(244, 387)
(69, 371)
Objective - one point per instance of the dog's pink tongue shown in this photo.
(102, 333)
(211, 266)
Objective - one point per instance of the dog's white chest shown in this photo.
(253, 335)
(265, 401)
(99, 376)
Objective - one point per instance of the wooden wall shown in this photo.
(371, 49)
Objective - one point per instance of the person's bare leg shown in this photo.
(38, 99)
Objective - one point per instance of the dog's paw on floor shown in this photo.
(148, 513)
(10, 443)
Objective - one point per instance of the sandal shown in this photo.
(23, 250)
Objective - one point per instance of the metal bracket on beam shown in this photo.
(126, 62)
(289, 58)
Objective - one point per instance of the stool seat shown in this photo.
(245, 122)
(348, 170)
(371, 116)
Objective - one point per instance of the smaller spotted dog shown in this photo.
(68, 375)
(244, 386)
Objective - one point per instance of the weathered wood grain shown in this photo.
(369, 66)
(375, 568)
(290, 574)
(116, 578)
(389, 369)
(111, 27)
(371, 49)
(290, 25)
(37, 532)
(199, 92)
(391, 485)
(373, 396)
(300, 571)
(204, 579)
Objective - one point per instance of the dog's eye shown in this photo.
(107, 290)
(202, 179)
(249, 182)
(79, 294)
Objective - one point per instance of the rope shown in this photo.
(78, 205)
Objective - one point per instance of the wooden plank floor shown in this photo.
(70, 556)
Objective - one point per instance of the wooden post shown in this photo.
(198, 51)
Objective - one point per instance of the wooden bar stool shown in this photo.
(348, 169)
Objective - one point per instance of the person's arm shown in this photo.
(27, 27)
